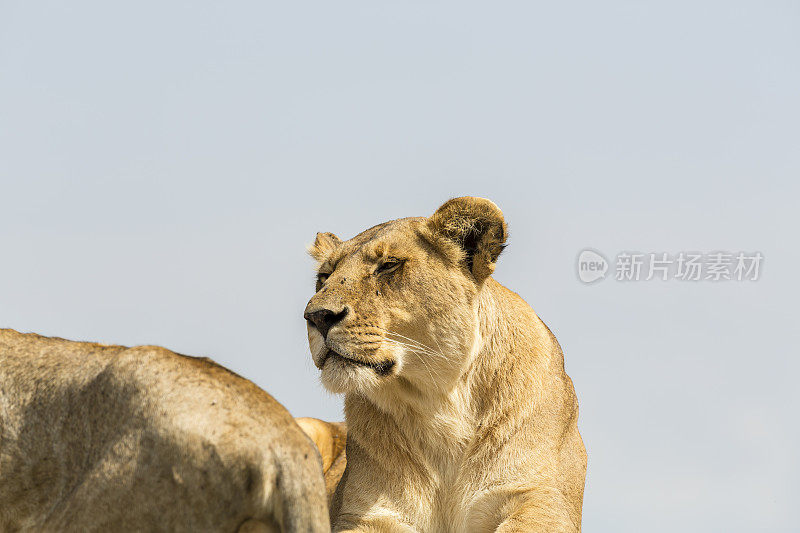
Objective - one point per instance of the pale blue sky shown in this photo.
(164, 164)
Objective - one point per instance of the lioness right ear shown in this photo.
(323, 245)
(476, 226)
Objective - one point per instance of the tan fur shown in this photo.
(330, 438)
(460, 416)
(109, 438)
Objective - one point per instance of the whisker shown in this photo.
(423, 347)
(430, 369)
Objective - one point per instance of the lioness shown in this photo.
(460, 416)
(109, 438)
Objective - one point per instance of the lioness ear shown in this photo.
(477, 227)
(323, 245)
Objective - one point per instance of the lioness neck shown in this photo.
(440, 425)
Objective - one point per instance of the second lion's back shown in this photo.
(225, 424)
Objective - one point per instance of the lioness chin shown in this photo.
(460, 415)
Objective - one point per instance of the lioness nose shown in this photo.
(324, 319)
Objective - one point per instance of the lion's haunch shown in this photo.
(108, 438)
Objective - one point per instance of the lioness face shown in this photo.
(396, 306)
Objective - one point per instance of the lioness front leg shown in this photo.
(379, 528)
(544, 512)
(376, 525)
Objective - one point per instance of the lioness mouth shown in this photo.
(382, 368)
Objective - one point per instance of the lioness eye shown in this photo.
(321, 279)
(388, 266)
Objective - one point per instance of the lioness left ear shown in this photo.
(323, 245)
(476, 226)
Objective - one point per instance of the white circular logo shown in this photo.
(591, 266)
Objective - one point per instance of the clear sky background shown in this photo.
(164, 164)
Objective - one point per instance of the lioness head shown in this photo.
(396, 306)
